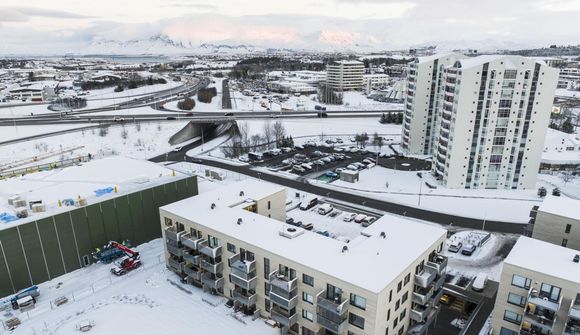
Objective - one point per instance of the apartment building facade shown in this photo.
(557, 221)
(234, 242)
(493, 118)
(421, 101)
(345, 75)
(539, 291)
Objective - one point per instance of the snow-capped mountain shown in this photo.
(341, 41)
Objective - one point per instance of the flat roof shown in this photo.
(381, 260)
(94, 181)
(561, 206)
(546, 258)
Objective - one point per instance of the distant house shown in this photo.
(36, 92)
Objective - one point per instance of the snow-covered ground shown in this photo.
(8, 133)
(406, 187)
(352, 101)
(150, 300)
(142, 141)
(214, 106)
(568, 184)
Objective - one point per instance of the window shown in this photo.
(266, 268)
(522, 282)
(168, 222)
(390, 295)
(356, 320)
(564, 242)
(267, 289)
(306, 279)
(505, 331)
(568, 228)
(86, 260)
(512, 317)
(213, 242)
(307, 315)
(358, 301)
(309, 298)
(395, 323)
(267, 304)
(231, 248)
(550, 292)
(407, 278)
(404, 297)
(399, 286)
(269, 205)
(397, 305)
(403, 314)
(388, 314)
(401, 331)
(516, 299)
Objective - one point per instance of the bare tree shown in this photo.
(267, 133)
(566, 176)
(279, 131)
(255, 140)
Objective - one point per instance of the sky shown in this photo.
(38, 25)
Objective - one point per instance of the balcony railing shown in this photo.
(172, 234)
(423, 296)
(539, 299)
(426, 277)
(331, 313)
(174, 250)
(420, 313)
(248, 284)
(212, 252)
(283, 301)
(175, 265)
(245, 266)
(214, 268)
(192, 273)
(246, 299)
(283, 283)
(421, 328)
(283, 317)
(212, 283)
(193, 259)
(192, 243)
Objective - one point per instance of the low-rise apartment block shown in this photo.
(234, 242)
(557, 221)
(539, 291)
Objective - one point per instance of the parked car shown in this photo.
(468, 249)
(359, 165)
(479, 282)
(326, 159)
(317, 153)
(454, 247)
(331, 174)
(306, 166)
(308, 203)
(352, 167)
(298, 169)
(446, 299)
(229, 114)
(308, 226)
(243, 159)
(335, 213)
(324, 233)
(325, 209)
(286, 149)
(318, 162)
(254, 156)
(368, 221)
(177, 149)
(359, 218)
(339, 170)
(338, 149)
(298, 147)
(348, 217)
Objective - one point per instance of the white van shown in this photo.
(325, 209)
(479, 282)
(26, 303)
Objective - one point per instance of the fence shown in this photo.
(73, 297)
(45, 166)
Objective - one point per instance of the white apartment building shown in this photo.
(492, 121)
(234, 242)
(374, 81)
(557, 221)
(421, 102)
(345, 75)
(539, 290)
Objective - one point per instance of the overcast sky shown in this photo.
(29, 24)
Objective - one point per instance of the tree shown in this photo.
(542, 192)
(383, 118)
(30, 76)
(329, 95)
(567, 126)
(378, 141)
(119, 88)
(132, 84)
(186, 104)
(361, 139)
(278, 131)
(267, 130)
(149, 80)
(566, 176)
(124, 133)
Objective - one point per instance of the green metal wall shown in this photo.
(40, 250)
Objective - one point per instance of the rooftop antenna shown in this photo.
(344, 249)
(383, 234)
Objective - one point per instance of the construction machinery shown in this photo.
(130, 262)
(110, 252)
(31, 292)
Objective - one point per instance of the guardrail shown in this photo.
(45, 167)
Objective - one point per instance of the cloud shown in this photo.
(193, 5)
(558, 5)
(22, 14)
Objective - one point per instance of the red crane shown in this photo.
(128, 263)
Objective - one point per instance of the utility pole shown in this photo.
(420, 189)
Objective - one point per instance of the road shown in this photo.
(381, 205)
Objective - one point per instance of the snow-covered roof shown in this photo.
(561, 206)
(509, 60)
(543, 257)
(348, 62)
(561, 148)
(126, 174)
(381, 260)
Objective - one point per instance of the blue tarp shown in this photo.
(5, 217)
(103, 191)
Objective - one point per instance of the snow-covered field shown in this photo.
(214, 106)
(405, 187)
(8, 133)
(142, 141)
(150, 300)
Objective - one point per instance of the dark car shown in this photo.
(229, 114)
(171, 118)
(308, 226)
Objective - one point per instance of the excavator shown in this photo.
(130, 262)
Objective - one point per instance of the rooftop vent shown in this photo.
(212, 206)
(344, 249)
(240, 221)
(241, 193)
(291, 232)
(383, 234)
(576, 259)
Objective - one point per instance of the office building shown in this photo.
(345, 75)
(539, 290)
(234, 242)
